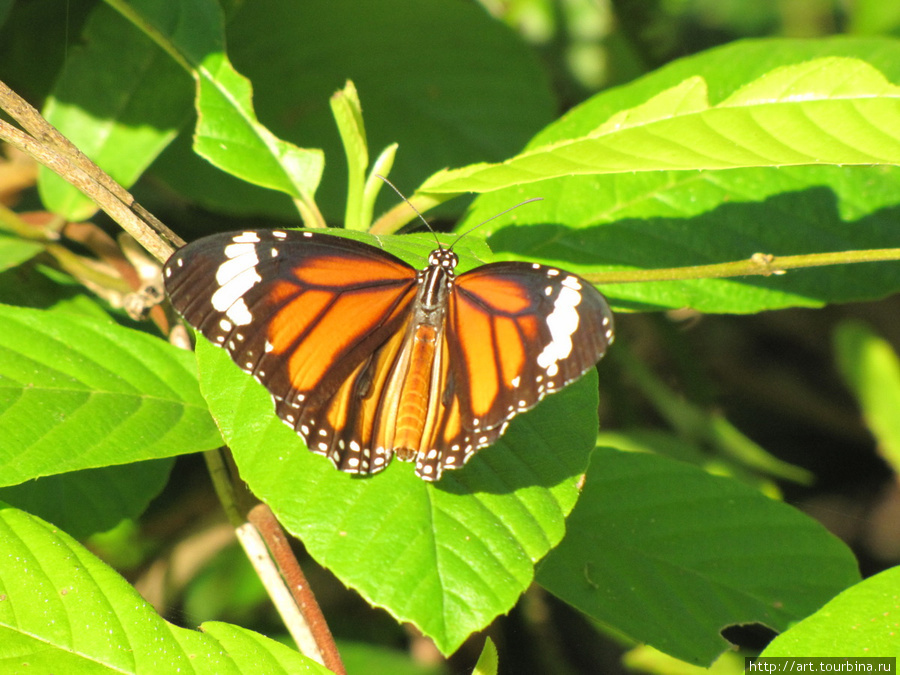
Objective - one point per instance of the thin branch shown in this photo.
(264, 520)
(763, 264)
(57, 153)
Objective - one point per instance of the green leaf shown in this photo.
(347, 113)
(828, 111)
(105, 496)
(861, 621)
(229, 135)
(78, 393)
(448, 557)
(120, 100)
(63, 610)
(188, 35)
(15, 251)
(488, 662)
(871, 368)
(662, 219)
(669, 555)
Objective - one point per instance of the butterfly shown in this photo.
(366, 357)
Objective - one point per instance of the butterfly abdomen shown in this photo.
(412, 409)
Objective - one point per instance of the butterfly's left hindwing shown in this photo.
(366, 358)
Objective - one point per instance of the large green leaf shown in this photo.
(827, 111)
(230, 137)
(228, 133)
(120, 100)
(124, 96)
(861, 621)
(78, 393)
(658, 219)
(449, 556)
(64, 611)
(669, 555)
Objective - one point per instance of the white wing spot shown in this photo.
(246, 238)
(562, 322)
(235, 277)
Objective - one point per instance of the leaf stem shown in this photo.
(764, 264)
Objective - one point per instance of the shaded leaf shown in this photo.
(120, 100)
(93, 500)
(652, 537)
(297, 60)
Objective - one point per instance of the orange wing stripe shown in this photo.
(318, 327)
(475, 333)
(346, 271)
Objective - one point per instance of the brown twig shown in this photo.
(49, 147)
(264, 520)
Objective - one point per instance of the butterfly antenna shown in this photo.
(502, 213)
(410, 204)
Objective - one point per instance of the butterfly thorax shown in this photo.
(436, 280)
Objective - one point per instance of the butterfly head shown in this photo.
(444, 258)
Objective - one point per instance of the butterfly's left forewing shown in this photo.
(313, 317)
